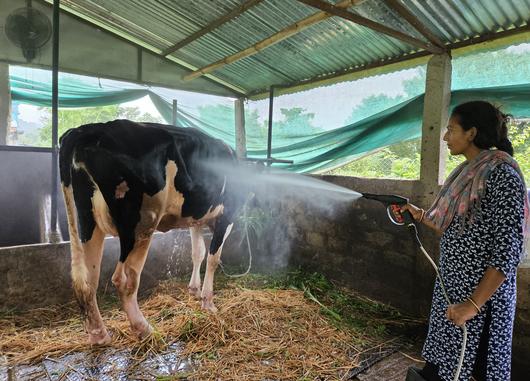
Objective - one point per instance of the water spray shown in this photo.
(393, 205)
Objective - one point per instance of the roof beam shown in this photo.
(269, 41)
(120, 31)
(213, 25)
(319, 80)
(415, 22)
(340, 12)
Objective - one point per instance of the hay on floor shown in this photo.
(256, 335)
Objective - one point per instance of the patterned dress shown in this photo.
(495, 239)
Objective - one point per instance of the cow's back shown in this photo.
(124, 167)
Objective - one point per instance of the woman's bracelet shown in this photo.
(422, 215)
(474, 303)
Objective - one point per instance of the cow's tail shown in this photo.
(79, 270)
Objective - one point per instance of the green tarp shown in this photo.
(310, 153)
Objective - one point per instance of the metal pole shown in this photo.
(241, 140)
(55, 121)
(269, 133)
(174, 121)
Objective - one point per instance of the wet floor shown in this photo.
(112, 365)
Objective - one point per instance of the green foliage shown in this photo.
(343, 307)
(493, 68)
(402, 160)
(71, 118)
(295, 123)
(376, 103)
(519, 134)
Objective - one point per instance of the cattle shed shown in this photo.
(246, 51)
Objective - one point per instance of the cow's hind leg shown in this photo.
(198, 250)
(126, 278)
(86, 263)
(93, 252)
(221, 232)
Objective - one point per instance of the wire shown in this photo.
(414, 230)
(245, 207)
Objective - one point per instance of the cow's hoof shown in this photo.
(208, 305)
(141, 331)
(195, 292)
(99, 337)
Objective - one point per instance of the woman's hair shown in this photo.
(490, 122)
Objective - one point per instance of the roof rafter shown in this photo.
(269, 41)
(415, 22)
(340, 12)
(121, 33)
(490, 37)
(213, 25)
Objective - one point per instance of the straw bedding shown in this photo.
(258, 334)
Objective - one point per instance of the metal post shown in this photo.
(54, 237)
(174, 120)
(5, 103)
(241, 140)
(269, 133)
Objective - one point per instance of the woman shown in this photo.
(482, 212)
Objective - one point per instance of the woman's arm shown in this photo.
(490, 282)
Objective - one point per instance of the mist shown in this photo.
(271, 199)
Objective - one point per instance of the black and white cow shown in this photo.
(129, 179)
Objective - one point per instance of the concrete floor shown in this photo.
(391, 368)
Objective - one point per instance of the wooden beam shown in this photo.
(264, 93)
(336, 11)
(120, 31)
(315, 81)
(415, 22)
(213, 25)
(269, 41)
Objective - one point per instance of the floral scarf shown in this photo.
(464, 188)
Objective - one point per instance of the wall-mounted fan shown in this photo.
(29, 29)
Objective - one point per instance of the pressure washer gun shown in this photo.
(393, 205)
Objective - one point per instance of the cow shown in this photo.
(129, 180)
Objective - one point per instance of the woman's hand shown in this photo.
(460, 313)
(414, 210)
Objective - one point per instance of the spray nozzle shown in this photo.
(393, 205)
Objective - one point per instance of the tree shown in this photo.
(71, 118)
(372, 105)
(296, 123)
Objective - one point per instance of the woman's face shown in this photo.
(458, 140)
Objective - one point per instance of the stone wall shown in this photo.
(39, 275)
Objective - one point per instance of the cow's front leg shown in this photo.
(126, 278)
(197, 255)
(221, 233)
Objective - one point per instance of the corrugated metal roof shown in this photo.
(332, 46)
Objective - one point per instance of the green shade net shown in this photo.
(310, 153)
